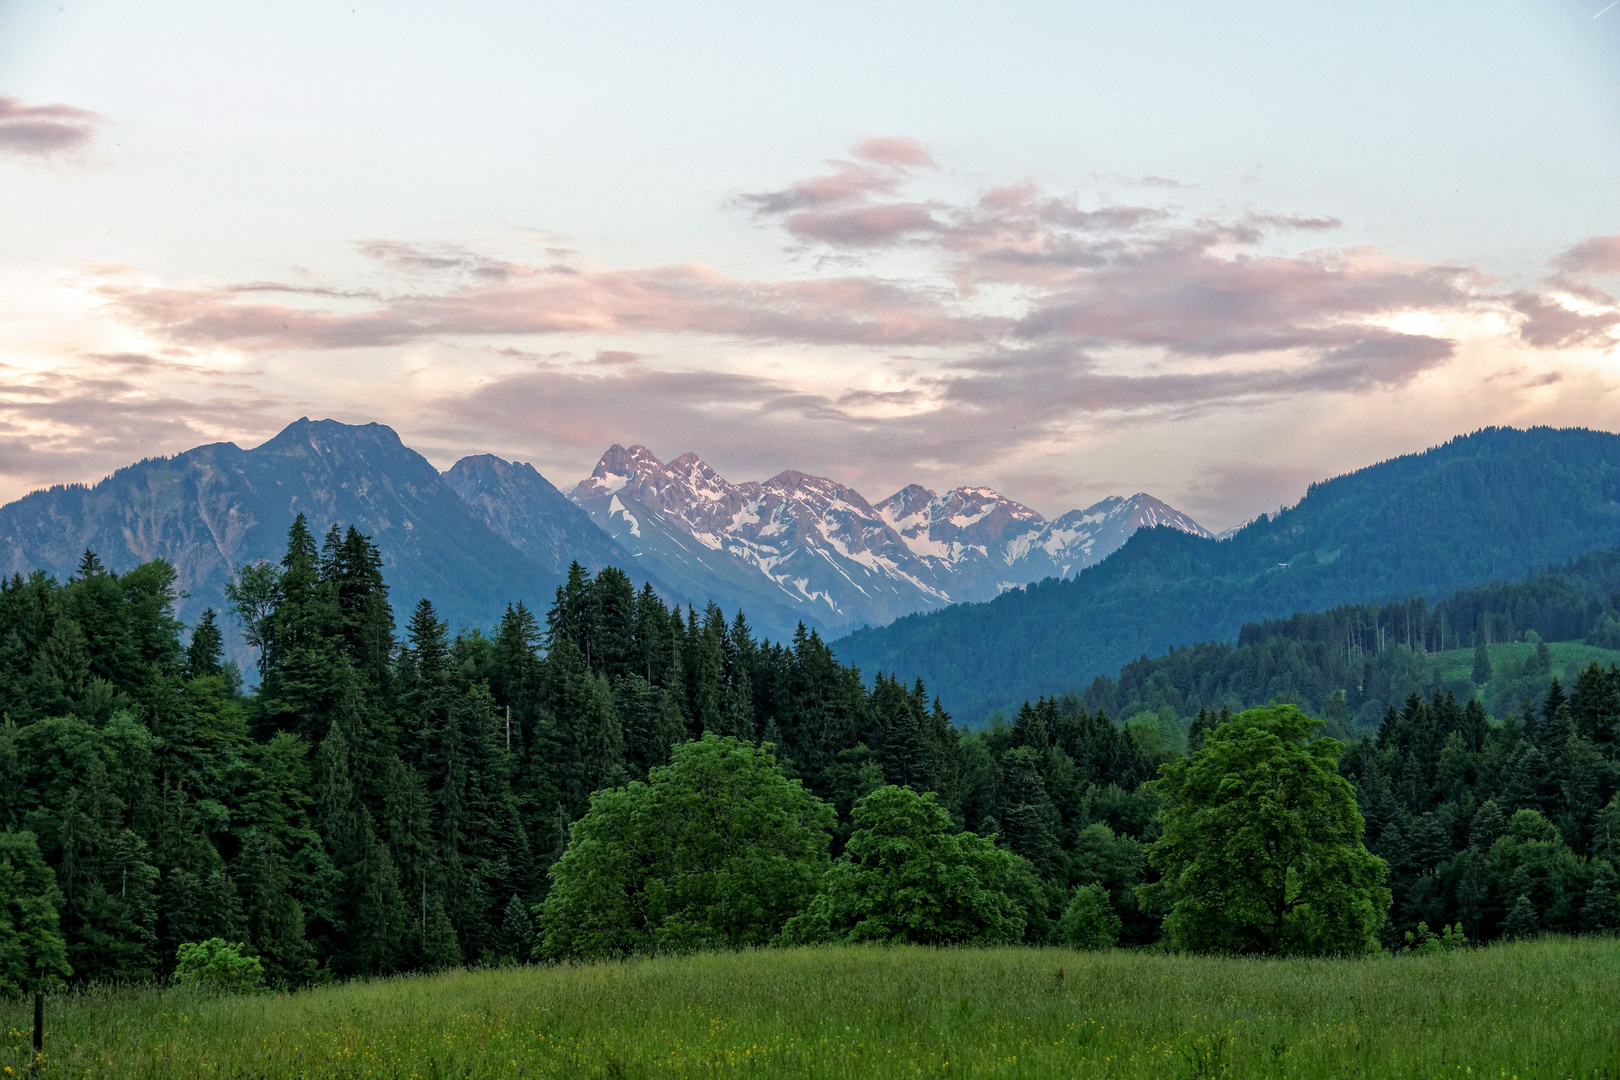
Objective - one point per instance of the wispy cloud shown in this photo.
(954, 328)
(44, 130)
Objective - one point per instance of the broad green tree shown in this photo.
(718, 849)
(1262, 846)
(908, 876)
(1089, 921)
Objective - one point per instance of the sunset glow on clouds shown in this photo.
(898, 313)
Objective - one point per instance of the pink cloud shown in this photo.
(895, 151)
(1070, 281)
(1595, 255)
(43, 130)
(558, 300)
(1548, 324)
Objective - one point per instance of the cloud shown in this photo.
(1595, 255)
(895, 151)
(1549, 324)
(955, 330)
(86, 423)
(1246, 489)
(846, 207)
(556, 299)
(1574, 312)
(44, 130)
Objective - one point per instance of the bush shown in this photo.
(905, 876)
(216, 964)
(1089, 921)
(717, 850)
(1427, 941)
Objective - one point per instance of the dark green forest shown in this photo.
(379, 803)
(1491, 506)
(1354, 663)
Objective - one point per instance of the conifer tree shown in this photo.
(203, 654)
(272, 916)
(516, 941)
(1482, 662)
(1522, 922)
(33, 955)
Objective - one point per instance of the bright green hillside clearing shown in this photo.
(1568, 658)
(1542, 1009)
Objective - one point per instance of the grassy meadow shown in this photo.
(1568, 658)
(1539, 1009)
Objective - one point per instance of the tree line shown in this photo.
(1492, 506)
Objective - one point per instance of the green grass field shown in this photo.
(1542, 1009)
(1568, 658)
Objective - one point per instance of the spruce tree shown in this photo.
(202, 655)
(516, 942)
(272, 916)
(33, 954)
(1482, 662)
(1522, 921)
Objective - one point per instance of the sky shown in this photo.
(1208, 251)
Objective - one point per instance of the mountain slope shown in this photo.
(523, 508)
(216, 507)
(1495, 504)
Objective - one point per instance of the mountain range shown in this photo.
(1493, 505)
(804, 548)
(488, 532)
(983, 598)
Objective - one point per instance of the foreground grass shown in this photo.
(1544, 1009)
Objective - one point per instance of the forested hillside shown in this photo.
(1492, 505)
(1375, 656)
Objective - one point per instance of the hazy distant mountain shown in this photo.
(1496, 504)
(216, 507)
(523, 507)
(800, 547)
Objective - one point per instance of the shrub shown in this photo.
(905, 876)
(218, 965)
(1089, 921)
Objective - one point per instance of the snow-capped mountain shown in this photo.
(800, 547)
(792, 548)
(987, 543)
